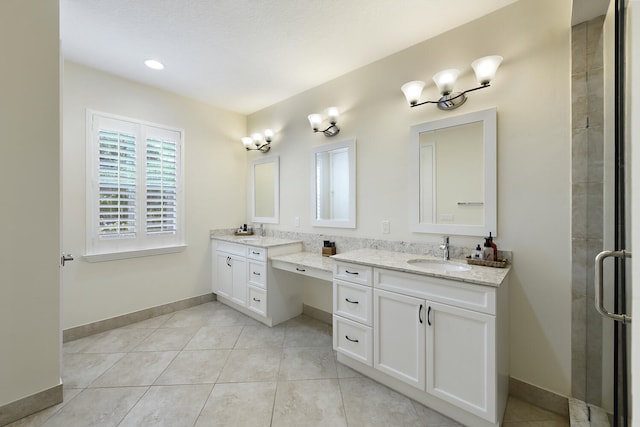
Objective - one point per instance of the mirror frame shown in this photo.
(488, 117)
(350, 222)
(275, 219)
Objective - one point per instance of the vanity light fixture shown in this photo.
(257, 141)
(316, 121)
(485, 69)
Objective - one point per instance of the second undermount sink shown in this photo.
(438, 265)
(249, 239)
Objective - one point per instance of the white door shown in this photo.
(224, 275)
(461, 352)
(399, 341)
(239, 291)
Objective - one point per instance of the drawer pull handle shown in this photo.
(255, 273)
(256, 299)
(255, 253)
(429, 316)
(420, 314)
(228, 261)
(350, 339)
(349, 301)
(351, 272)
(300, 269)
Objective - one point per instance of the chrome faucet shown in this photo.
(259, 229)
(445, 248)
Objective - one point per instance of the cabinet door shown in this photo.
(461, 366)
(399, 336)
(223, 284)
(239, 291)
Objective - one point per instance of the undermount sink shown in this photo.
(436, 264)
(249, 239)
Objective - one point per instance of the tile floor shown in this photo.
(212, 366)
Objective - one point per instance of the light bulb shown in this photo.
(315, 120)
(412, 91)
(485, 68)
(445, 80)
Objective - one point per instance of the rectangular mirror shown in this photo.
(452, 175)
(265, 186)
(333, 185)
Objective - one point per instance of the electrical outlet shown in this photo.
(296, 221)
(385, 226)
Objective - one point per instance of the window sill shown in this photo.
(134, 254)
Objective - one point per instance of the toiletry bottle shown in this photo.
(478, 252)
(494, 246)
(487, 254)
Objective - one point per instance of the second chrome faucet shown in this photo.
(445, 248)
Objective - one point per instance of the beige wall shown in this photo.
(215, 192)
(30, 214)
(531, 93)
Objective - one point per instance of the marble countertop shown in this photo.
(254, 240)
(307, 259)
(488, 276)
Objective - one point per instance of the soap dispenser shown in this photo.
(487, 253)
(494, 246)
(478, 252)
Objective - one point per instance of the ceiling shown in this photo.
(244, 55)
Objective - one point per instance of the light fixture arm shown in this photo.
(331, 130)
(263, 148)
(452, 97)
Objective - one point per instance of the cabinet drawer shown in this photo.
(258, 300)
(464, 295)
(353, 339)
(257, 274)
(231, 248)
(356, 273)
(353, 301)
(259, 254)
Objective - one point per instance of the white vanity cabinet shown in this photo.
(353, 312)
(230, 280)
(440, 341)
(243, 279)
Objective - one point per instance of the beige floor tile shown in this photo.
(170, 406)
(114, 341)
(308, 403)
(136, 369)
(251, 365)
(368, 403)
(229, 317)
(520, 411)
(239, 405)
(164, 339)
(307, 363)
(214, 338)
(97, 407)
(310, 334)
(81, 369)
(194, 367)
(260, 336)
(430, 418)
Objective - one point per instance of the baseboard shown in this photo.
(317, 314)
(137, 316)
(539, 397)
(30, 405)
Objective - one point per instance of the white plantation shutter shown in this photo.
(135, 186)
(161, 181)
(117, 184)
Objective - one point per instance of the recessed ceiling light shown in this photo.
(153, 64)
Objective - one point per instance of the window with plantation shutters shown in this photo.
(134, 188)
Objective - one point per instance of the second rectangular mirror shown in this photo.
(333, 185)
(265, 186)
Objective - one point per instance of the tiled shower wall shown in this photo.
(587, 189)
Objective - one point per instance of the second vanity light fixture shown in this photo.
(485, 69)
(258, 141)
(316, 121)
